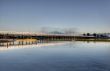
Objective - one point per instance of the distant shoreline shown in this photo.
(94, 40)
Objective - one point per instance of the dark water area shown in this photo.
(74, 56)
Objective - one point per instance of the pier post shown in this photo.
(0, 43)
(22, 42)
(26, 43)
(7, 44)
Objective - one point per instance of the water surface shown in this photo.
(73, 56)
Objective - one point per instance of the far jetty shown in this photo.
(10, 39)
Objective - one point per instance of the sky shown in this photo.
(33, 15)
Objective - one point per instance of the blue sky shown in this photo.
(31, 15)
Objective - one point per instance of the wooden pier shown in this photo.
(8, 39)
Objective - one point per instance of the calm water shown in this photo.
(74, 56)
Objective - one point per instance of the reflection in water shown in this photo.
(33, 45)
(70, 56)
